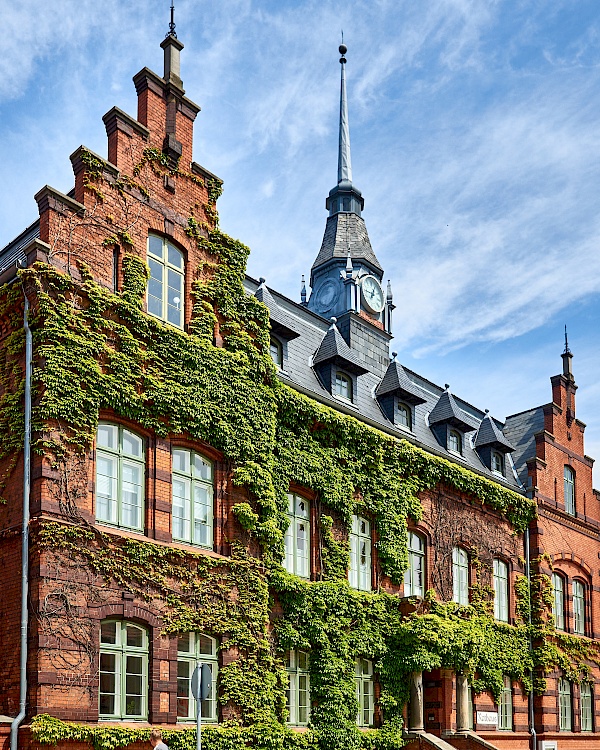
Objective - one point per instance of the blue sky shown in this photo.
(475, 142)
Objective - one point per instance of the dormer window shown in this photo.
(276, 351)
(455, 442)
(343, 386)
(404, 415)
(497, 463)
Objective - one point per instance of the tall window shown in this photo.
(192, 498)
(297, 536)
(360, 554)
(569, 490)
(191, 649)
(343, 385)
(165, 286)
(365, 692)
(565, 723)
(454, 441)
(276, 350)
(505, 707)
(500, 590)
(497, 463)
(414, 576)
(120, 468)
(460, 576)
(298, 692)
(586, 707)
(404, 415)
(123, 691)
(579, 607)
(558, 601)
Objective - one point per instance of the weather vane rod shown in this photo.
(567, 350)
(171, 31)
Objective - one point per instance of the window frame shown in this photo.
(569, 490)
(565, 707)
(275, 343)
(505, 706)
(460, 575)
(360, 576)
(497, 457)
(192, 482)
(167, 266)
(294, 563)
(365, 688)
(410, 589)
(192, 658)
(579, 606)
(296, 674)
(501, 590)
(459, 442)
(560, 618)
(343, 378)
(120, 460)
(121, 651)
(586, 708)
(404, 408)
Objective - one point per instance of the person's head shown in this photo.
(155, 737)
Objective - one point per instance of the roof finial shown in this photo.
(344, 162)
(567, 350)
(303, 291)
(171, 31)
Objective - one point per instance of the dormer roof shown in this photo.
(282, 324)
(334, 349)
(396, 382)
(447, 411)
(489, 434)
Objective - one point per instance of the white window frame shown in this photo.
(298, 692)
(455, 442)
(586, 707)
(339, 390)
(500, 590)
(569, 490)
(121, 652)
(192, 517)
(505, 706)
(360, 572)
(558, 601)
(201, 649)
(497, 463)
(167, 266)
(404, 409)
(460, 575)
(579, 607)
(297, 536)
(276, 351)
(365, 692)
(112, 489)
(414, 576)
(565, 706)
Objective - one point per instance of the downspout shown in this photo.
(531, 694)
(25, 534)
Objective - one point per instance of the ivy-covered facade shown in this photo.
(351, 549)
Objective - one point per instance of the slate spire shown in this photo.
(344, 160)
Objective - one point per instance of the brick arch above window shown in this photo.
(573, 558)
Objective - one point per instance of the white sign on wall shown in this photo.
(549, 745)
(487, 717)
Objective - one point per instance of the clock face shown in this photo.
(372, 294)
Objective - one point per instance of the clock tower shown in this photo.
(346, 278)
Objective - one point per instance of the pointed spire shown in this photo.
(389, 296)
(303, 291)
(567, 358)
(349, 268)
(344, 161)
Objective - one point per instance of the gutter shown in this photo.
(25, 534)
(531, 694)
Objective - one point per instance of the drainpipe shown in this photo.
(531, 695)
(25, 535)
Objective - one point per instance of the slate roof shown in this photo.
(447, 410)
(333, 348)
(489, 434)
(13, 252)
(520, 429)
(343, 231)
(281, 323)
(396, 381)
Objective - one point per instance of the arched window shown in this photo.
(297, 536)
(500, 590)
(565, 718)
(298, 692)
(365, 692)
(343, 385)
(165, 285)
(460, 575)
(497, 463)
(414, 577)
(120, 470)
(193, 648)
(404, 415)
(558, 601)
(454, 441)
(569, 486)
(579, 607)
(505, 719)
(192, 488)
(276, 350)
(360, 554)
(123, 689)
(586, 704)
